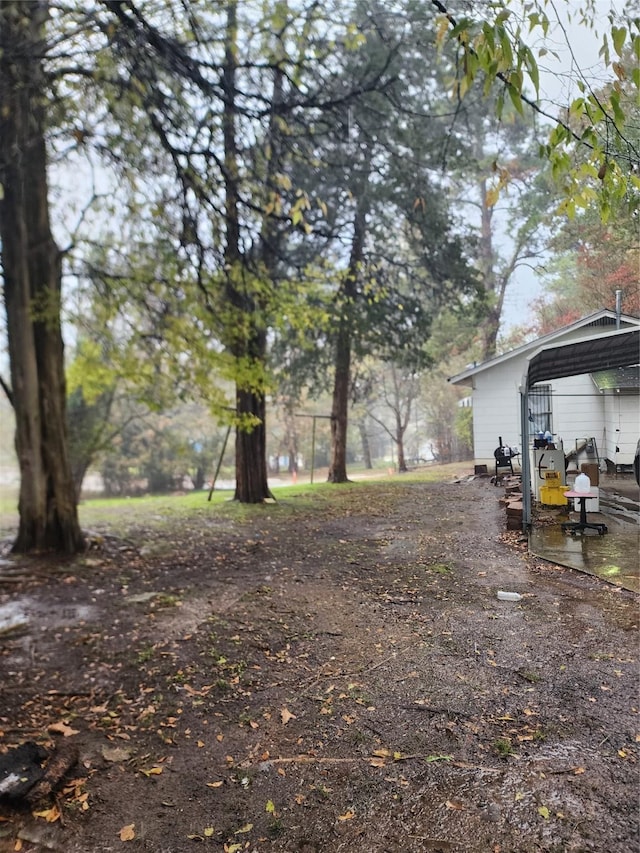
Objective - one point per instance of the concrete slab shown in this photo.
(613, 557)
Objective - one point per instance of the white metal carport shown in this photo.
(620, 348)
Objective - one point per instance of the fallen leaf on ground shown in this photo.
(50, 815)
(127, 833)
(544, 812)
(62, 729)
(286, 715)
(347, 816)
(116, 753)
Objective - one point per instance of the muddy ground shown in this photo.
(323, 678)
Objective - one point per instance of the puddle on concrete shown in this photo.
(613, 557)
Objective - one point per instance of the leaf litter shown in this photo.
(295, 673)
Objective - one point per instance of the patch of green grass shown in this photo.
(288, 500)
(276, 827)
(167, 600)
(355, 692)
(132, 517)
(440, 568)
(357, 737)
(8, 504)
(231, 668)
(145, 654)
(256, 593)
(503, 747)
(530, 676)
(323, 792)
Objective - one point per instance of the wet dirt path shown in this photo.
(349, 682)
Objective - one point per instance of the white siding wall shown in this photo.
(578, 411)
(622, 412)
(496, 409)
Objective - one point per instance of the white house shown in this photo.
(603, 405)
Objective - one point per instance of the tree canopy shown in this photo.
(257, 192)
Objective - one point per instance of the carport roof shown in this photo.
(607, 351)
(587, 355)
(618, 379)
(592, 324)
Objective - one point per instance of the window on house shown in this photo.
(540, 419)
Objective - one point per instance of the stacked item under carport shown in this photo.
(512, 501)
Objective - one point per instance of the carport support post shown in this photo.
(526, 463)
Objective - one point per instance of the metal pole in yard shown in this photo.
(313, 447)
(215, 476)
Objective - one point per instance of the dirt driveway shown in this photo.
(334, 676)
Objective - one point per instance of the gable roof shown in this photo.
(596, 322)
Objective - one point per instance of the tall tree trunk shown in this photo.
(32, 290)
(404, 391)
(251, 477)
(340, 405)
(249, 343)
(342, 375)
(402, 462)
